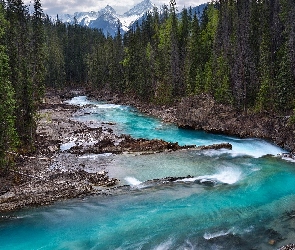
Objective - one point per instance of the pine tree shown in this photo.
(55, 61)
(8, 136)
(222, 91)
(19, 52)
(193, 61)
(184, 31)
(38, 52)
(284, 87)
(265, 98)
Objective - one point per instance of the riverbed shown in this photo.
(242, 198)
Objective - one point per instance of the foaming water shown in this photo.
(209, 236)
(94, 156)
(174, 216)
(228, 176)
(225, 175)
(132, 181)
(223, 168)
(79, 100)
(67, 146)
(254, 147)
(165, 245)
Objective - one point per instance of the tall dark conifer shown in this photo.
(38, 52)
(19, 51)
(8, 136)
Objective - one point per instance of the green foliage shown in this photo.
(38, 57)
(193, 60)
(55, 63)
(222, 92)
(163, 94)
(291, 120)
(199, 87)
(208, 77)
(284, 87)
(238, 53)
(8, 136)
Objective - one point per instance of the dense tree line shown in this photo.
(21, 72)
(35, 52)
(240, 52)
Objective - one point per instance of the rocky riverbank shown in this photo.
(202, 112)
(38, 179)
(60, 168)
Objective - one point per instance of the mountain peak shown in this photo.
(108, 10)
(108, 20)
(140, 8)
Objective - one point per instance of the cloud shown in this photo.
(54, 7)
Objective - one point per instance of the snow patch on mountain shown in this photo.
(140, 9)
(108, 20)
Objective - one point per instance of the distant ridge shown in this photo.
(108, 20)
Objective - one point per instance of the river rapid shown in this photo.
(242, 198)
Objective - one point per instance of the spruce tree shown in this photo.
(8, 136)
(19, 52)
(38, 52)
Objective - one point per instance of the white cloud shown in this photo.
(54, 7)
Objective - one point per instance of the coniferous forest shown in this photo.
(240, 52)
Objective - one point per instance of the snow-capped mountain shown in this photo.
(131, 16)
(140, 8)
(108, 20)
(83, 18)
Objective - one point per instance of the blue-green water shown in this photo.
(244, 209)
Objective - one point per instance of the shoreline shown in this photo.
(55, 172)
(39, 179)
(204, 113)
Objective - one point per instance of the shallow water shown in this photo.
(242, 207)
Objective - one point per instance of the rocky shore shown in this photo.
(37, 179)
(202, 112)
(60, 169)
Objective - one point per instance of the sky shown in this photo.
(54, 7)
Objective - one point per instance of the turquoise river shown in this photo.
(234, 199)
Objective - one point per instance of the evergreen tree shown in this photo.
(55, 61)
(184, 32)
(222, 91)
(8, 136)
(193, 61)
(284, 87)
(265, 98)
(38, 52)
(19, 52)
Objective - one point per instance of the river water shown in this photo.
(238, 199)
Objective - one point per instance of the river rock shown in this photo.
(290, 246)
(217, 146)
(202, 112)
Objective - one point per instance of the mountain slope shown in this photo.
(108, 20)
